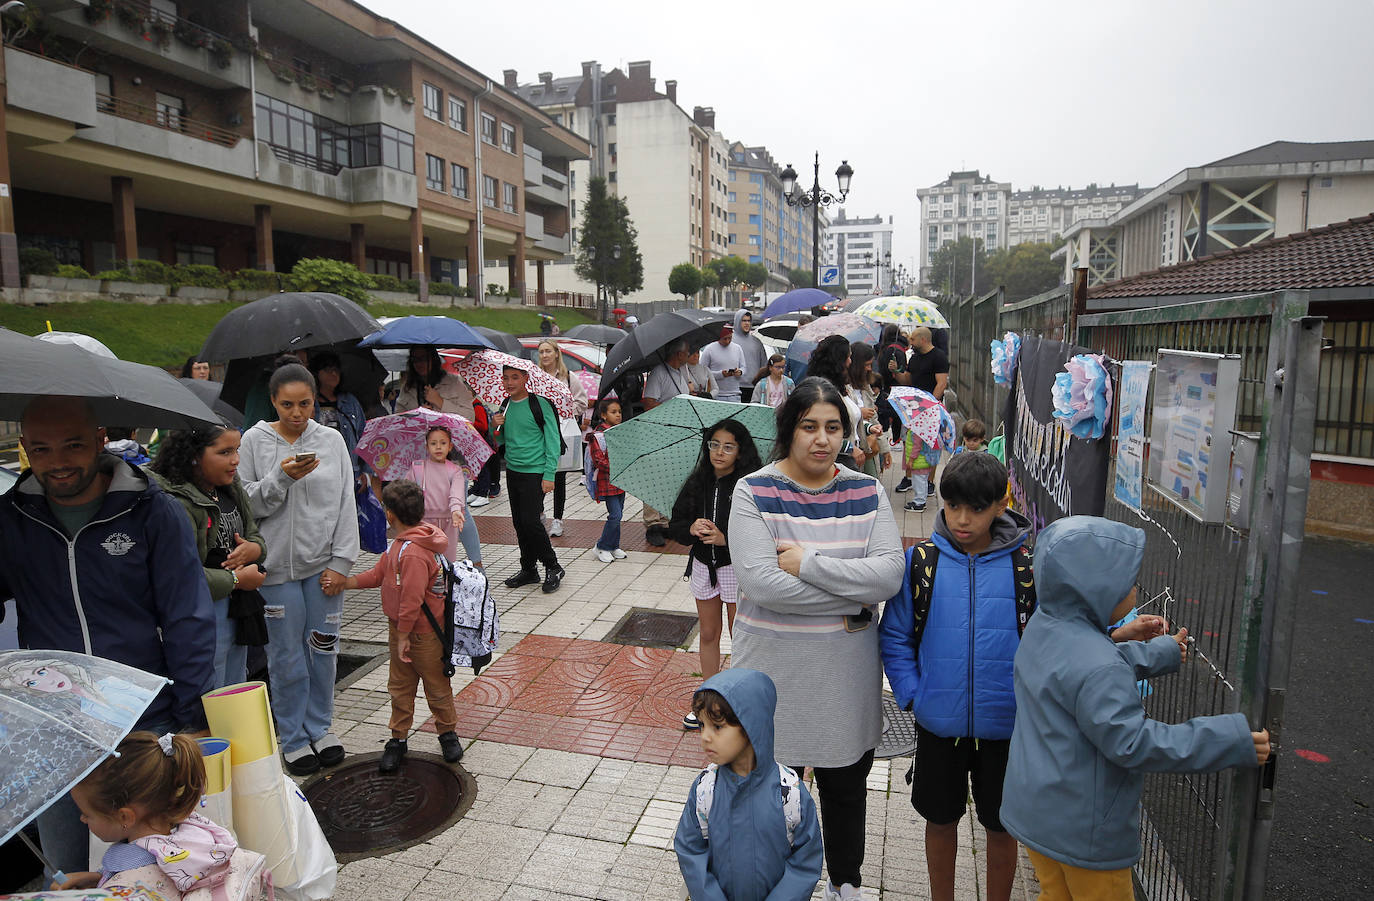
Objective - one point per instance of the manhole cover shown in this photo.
(364, 813)
(899, 731)
(653, 629)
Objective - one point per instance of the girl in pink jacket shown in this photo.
(445, 487)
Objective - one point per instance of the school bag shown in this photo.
(589, 476)
(791, 799)
(925, 555)
(537, 410)
(471, 628)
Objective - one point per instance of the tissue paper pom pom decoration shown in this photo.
(1004, 355)
(1083, 396)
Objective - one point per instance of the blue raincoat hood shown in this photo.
(1085, 566)
(754, 698)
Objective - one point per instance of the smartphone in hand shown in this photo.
(305, 457)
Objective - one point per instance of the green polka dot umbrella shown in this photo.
(652, 454)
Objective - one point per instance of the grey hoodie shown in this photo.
(310, 524)
(755, 354)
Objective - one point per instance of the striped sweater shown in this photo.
(794, 629)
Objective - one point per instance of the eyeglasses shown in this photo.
(723, 447)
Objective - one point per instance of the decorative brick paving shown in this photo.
(577, 533)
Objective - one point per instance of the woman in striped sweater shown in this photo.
(816, 550)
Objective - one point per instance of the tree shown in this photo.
(685, 279)
(729, 270)
(755, 275)
(709, 280)
(799, 278)
(1024, 270)
(627, 272)
(949, 268)
(606, 226)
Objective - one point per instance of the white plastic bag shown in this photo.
(571, 460)
(315, 869)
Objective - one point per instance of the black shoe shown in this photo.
(391, 755)
(904, 484)
(302, 762)
(453, 747)
(329, 750)
(917, 506)
(654, 535)
(930, 489)
(553, 579)
(523, 578)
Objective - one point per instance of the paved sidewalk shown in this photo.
(576, 747)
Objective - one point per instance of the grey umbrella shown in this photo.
(208, 391)
(596, 333)
(286, 322)
(122, 393)
(502, 341)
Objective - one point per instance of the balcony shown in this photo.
(543, 183)
(534, 230)
(167, 134)
(51, 88)
(314, 175)
(133, 30)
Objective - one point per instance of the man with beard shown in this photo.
(100, 561)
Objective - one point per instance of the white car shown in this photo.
(777, 333)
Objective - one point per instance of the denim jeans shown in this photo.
(302, 658)
(231, 660)
(920, 483)
(610, 533)
(472, 542)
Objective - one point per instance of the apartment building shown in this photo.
(966, 204)
(1042, 214)
(255, 135)
(671, 168)
(862, 248)
(763, 228)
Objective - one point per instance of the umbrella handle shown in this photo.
(57, 875)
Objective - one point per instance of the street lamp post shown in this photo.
(816, 198)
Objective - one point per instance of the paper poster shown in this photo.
(1190, 445)
(1132, 390)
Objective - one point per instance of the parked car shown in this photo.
(576, 354)
(777, 333)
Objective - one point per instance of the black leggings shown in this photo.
(842, 792)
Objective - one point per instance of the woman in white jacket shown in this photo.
(299, 479)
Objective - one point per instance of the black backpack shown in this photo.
(925, 555)
(537, 410)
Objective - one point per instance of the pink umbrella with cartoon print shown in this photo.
(482, 371)
(389, 444)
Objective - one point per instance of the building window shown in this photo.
(510, 197)
(611, 177)
(489, 191)
(610, 120)
(731, 218)
(489, 128)
(459, 184)
(755, 199)
(753, 218)
(557, 118)
(731, 196)
(195, 255)
(304, 138)
(754, 240)
(434, 173)
(457, 113)
(433, 101)
(507, 137)
(169, 111)
(611, 147)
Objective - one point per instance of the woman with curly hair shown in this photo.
(199, 467)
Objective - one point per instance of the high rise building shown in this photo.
(862, 248)
(763, 228)
(1043, 214)
(967, 204)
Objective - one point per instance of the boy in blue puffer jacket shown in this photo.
(1082, 741)
(948, 640)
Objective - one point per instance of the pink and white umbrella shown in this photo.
(482, 371)
(925, 416)
(389, 444)
(591, 381)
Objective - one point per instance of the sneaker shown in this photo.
(391, 755)
(452, 746)
(553, 577)
(917, 506)
(556, 530)
(619, 554)
(930, 489)
(904, 484)
(477, 500)
(654, 535)
(302, 761)
(604, 556)
(522, 578)
(329, 750)
(690, 723)
(845, 892)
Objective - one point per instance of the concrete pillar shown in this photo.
(479, 290)
(125, 224)
(262, 229)
(518, 281)
(419, 265)
(513, 279)
(357, 245)
(539, 283)
(9, 242)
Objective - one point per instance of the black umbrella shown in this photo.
(209, 391)
(642, 349)
(122, 393)
(286, 322)
(596, 333)
(502, 341)
(360, 374)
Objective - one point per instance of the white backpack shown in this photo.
(471, 628)
(791, 799)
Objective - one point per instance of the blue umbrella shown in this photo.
(436, 331)
(796, 300)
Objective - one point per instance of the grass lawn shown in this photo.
(166, 334)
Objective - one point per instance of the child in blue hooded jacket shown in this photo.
(1082, 741)
(749, 830)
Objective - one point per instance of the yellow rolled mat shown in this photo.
(242, 714)
(218, 761)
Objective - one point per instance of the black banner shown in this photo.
(1053, 473)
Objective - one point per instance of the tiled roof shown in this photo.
(1299, 152)
(1332, 256)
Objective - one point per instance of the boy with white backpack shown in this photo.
(749, 829)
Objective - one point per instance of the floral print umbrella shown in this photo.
(907, 312)
(389, 444)
(805, 341)
(482, 372)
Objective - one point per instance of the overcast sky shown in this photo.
(1066, 93)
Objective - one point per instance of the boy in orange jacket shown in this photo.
(410, 576)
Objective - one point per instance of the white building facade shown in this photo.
(966, 204)
(1041, 215)
(862, 248)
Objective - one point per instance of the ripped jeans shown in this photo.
(302, 657)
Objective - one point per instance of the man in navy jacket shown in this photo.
(100, 561)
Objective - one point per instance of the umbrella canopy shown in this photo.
(853, 303)
(502, 341)
(439, 331)
(925, 416)
(389, 444)
(286, 322)
(482, 371)
(596, 333)
(61, 714)
(907, 312)
(209, 392)
(804, 343)
(797, 300)
(642, 349)
(122, 393)
(76, 339)
(361, 374)
(591, 381)
(653, 454)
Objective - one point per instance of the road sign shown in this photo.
(830, 276)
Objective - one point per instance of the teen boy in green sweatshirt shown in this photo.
(531, 461)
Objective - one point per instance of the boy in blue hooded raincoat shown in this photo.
(1082, 741)
(751, 851)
